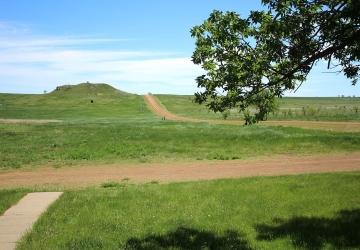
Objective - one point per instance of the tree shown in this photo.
(248, 62)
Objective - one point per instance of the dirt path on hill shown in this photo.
(204, 170)
(27, 121)
(159, 110)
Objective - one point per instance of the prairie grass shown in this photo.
(104, 125)
(289, 212)
(66, 144)
(9, 197)
(289, 108)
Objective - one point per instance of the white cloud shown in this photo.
(34, 65)
(63, 55)
(54, 41)
(31, 64)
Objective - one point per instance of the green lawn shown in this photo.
(289, 108)
(157, 141)
(297, 212)
(9, 197)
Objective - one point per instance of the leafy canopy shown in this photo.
(250, 61)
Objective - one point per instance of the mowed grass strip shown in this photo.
(9, 197)
(157, 141)
(290, 212)
(289, 108)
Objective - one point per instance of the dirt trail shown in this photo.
(204, 170)
(158, 109)
(27, 121)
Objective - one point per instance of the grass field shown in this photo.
(289, 108)
(298, 212)
(74, 103)
(118, 127)
(67, 144)
(101, 125)
(8, 197)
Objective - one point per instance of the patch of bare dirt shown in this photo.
(90, 175)
(159, 110)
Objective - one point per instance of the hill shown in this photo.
(86, 89)
(69, 102)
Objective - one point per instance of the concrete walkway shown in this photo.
(20, 218)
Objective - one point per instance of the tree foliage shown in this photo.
(250, 61)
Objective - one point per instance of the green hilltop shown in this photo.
(88, 89)
(74, 102)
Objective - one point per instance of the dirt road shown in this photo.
(158, 109)
(204, 170)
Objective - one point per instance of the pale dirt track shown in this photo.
(156, 107)
(177, 172)
(27, 121)
(159, 110)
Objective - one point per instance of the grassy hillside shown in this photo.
(82, 101)
(293, 212)
(290, 108)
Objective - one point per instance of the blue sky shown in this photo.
(137, 46)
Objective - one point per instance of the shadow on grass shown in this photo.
(342, 231)
(188, 238)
